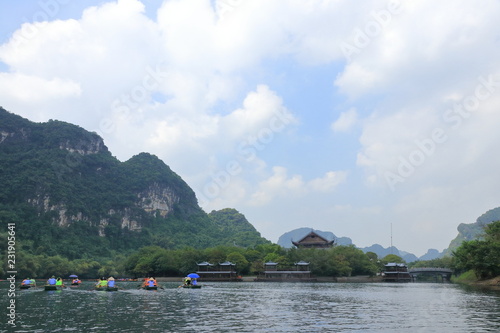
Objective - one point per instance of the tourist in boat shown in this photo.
(76, 281)
(111, 282)
(52, 281)
(102, 283)
(28, 282)
(187, 281)
(59, 282)
(194, 282)
(151, 282)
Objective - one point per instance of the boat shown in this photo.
(192, 286)
(150, 288)
(50, 287)
(25, 286)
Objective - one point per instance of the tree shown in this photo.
(481, 256)
(392, 258)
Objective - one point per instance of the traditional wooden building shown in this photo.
(395, 272)
(225, 271)
(299, 272)
(313, 240)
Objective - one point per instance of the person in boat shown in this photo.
(33, 282)
(28, 282)
(76, 281)
(194, 282)
(151, 282)
(187, 281)
(59, 282)
(52, 281)
(111, 282)
(102, 283)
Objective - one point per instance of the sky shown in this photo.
(365, 121)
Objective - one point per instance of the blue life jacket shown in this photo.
(52, 281)
(111, 283)
(151, 283)
(27, 282)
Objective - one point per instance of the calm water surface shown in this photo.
(258, 307)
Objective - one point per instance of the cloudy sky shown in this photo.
(297, 113)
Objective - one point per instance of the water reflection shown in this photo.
(260, 307)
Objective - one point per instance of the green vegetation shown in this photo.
(466, 277)
(480, 256)
(444, 262)
(75, 204)
(337, 261)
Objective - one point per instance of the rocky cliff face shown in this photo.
(158, 199)
(75, 178)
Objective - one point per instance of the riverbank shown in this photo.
(490, 283)
(470, 279)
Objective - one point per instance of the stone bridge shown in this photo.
(439, 274)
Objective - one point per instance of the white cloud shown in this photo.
(345, 121)
(280, 186)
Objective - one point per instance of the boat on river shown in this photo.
(26, 286)
(150, 287)
(50, 287)
(191, 286)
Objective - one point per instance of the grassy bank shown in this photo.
(470, 278)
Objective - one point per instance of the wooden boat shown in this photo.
(26, 286)
(192, 286)
(50, 287)
(150, 288)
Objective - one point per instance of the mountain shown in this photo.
(431, 254)
(470, 231)
(286, 239)
(68, 195)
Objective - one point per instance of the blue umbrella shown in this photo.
(73, 276)
(193, 275)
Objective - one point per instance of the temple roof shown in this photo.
(313, 239)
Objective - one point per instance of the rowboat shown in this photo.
(25, 286)
(150, 288)
(50, 287)
(197, 286)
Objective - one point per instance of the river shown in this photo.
(256, 307)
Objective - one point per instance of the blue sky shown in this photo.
(314, 113)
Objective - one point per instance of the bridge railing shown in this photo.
(430, 269)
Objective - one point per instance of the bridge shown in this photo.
(424, 273)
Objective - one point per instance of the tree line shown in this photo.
(158, 261)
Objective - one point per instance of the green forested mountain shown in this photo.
(68, 196)
(473, 231)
